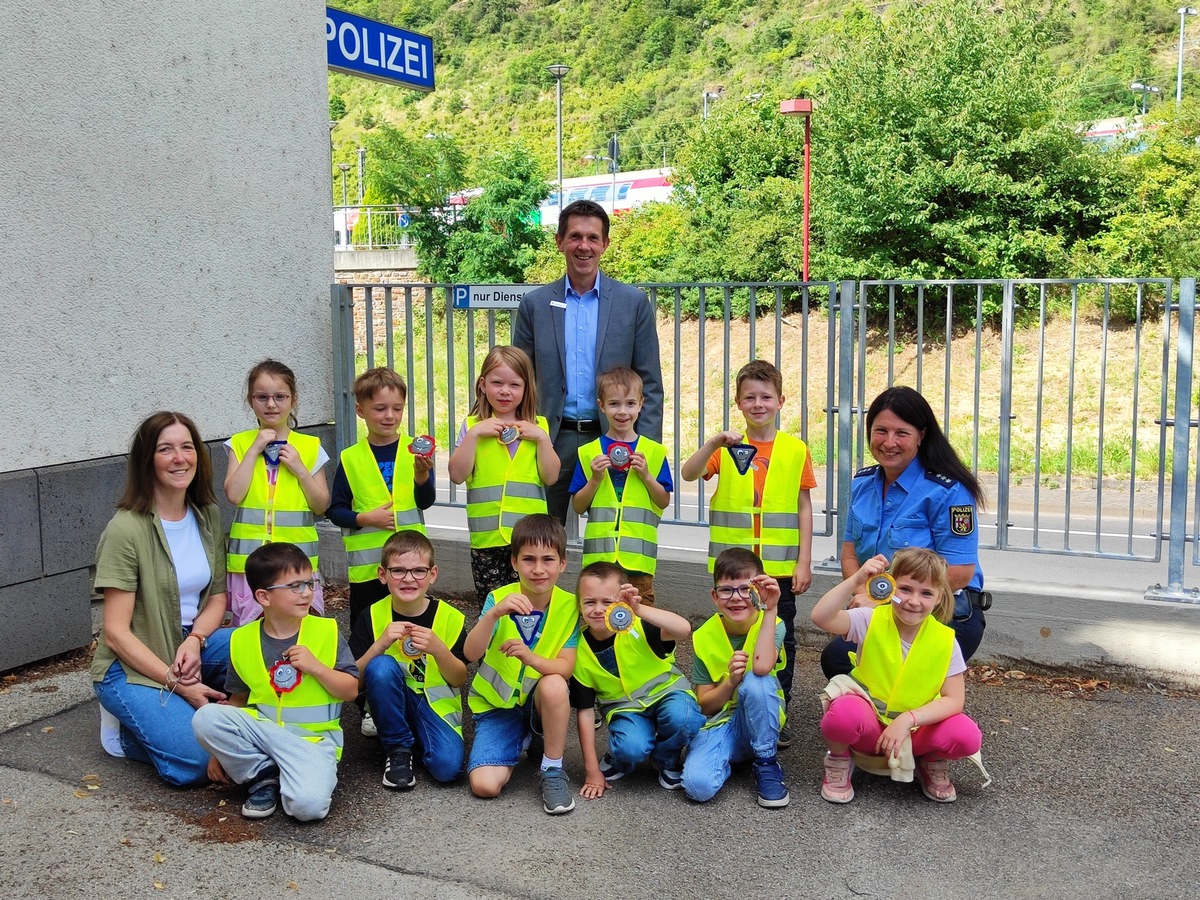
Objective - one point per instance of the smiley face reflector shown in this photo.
(271, 451)
(620, 455)
(743, 455)
(881, 588)
(409, 650)
(527, 625)
(618, 617)
(509, 434)
(422, 446)
(285, 677)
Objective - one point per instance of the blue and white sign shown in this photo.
(405, 220)
(490, 296)
(364, 47)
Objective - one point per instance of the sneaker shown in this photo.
(599, 720)
(556, 792)
(398, 771)
(110, 734)
(264, 794)
(768, 777)
(785, 738)
(609, 769)
(368, 726)
(934, 776)
(670, 779)
(836, 788)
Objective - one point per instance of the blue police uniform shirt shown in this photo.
(920, 509)
(580, 322)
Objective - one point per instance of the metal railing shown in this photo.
(370, 228)
(1074, 409)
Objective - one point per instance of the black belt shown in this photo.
(981, 600)
(581, 425)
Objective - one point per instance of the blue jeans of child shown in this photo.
(750, 733)
(404, 717)
(659, 732)
(156, 726)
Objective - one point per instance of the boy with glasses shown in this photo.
(289, 674)
(409, 651)
(738, 654)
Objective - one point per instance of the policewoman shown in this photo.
(919, 494)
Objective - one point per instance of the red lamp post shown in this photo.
(803, 108)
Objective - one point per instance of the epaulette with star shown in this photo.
(866, 470)
(943, 480)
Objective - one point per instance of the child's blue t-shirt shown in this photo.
(618, 477)
(700, 673)
(571, 644)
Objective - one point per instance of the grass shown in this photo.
(1072, 381)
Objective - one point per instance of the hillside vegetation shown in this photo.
(945, 138)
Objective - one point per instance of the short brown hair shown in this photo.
(408, 541)
(583, 209)
(602, 570)
(927, 567)
(736, 562)
(138, 495)
(760, 370)
(276, 369)
(267, 564)
(372, 381)
(539, 530)
(620, 377)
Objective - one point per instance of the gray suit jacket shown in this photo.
(626, 335)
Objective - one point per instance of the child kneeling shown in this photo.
(626, 660)
(738, 653)
(288, 676)
(904, 698)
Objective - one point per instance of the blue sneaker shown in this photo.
(609, 769)
(670, 779)
(768, 777)
(264, 794)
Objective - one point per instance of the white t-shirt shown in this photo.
(191, 564)
(860, 618)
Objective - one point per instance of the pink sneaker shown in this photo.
(934, 777)
(836, 788)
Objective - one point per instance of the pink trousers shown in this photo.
(852, 720)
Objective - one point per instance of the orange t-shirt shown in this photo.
(759, 465)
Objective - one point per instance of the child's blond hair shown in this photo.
(927, 567)
(517, 360)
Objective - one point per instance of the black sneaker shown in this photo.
(609, 769)
(264, 794)
(398, 771)
(785, 738)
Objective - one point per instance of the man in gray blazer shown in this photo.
(578, 328)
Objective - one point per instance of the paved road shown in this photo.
(1093, 798)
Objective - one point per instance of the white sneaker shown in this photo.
(368, 726)
(110, 734)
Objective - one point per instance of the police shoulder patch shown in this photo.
(866, 470)
(943, 480)
(962, 520)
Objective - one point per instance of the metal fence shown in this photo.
(1070, 398)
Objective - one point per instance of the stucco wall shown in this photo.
(165, 218)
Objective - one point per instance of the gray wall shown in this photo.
(166, 223)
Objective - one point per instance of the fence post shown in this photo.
(848, 294)
(1008, 324)
(341, 305)
(1181, 417)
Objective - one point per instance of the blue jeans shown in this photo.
(787, 615)
(661, 732)
(501, 735)
(404, 717)
(750, 733)
(156, 727)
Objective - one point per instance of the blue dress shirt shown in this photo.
(580, 322)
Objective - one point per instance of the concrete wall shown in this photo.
(166, 224)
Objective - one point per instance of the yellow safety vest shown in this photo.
(504, 682)
(731, 512)
(643, 677)
(280, 517)
(363, 545)
(309, 705)
(502, 490)
(447, 625)
(710, 642)
(896, 684)
(623, 531)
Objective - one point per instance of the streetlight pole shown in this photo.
(709, 95)
(362, 172)
(345, 167)
(333, 123)
(803, 108)
(1184, 12)
(559, 71)
(1145, 90)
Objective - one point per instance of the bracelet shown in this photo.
(202, 638)
(914, 718)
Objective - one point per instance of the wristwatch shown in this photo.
(202, 638)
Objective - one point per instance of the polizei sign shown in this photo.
(359, 46)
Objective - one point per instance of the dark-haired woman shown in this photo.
(160, 564)
(919, 494)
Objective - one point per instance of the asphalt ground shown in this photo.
(1094, 796)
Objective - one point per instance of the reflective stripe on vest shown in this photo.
(642, 677)
(502, 489)
(503, 682)
(363, 545)
(732, 510)
(896, 684)
(623, 531)
(309, 707)
(712, 646)
(278, 515)
(448, 624)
